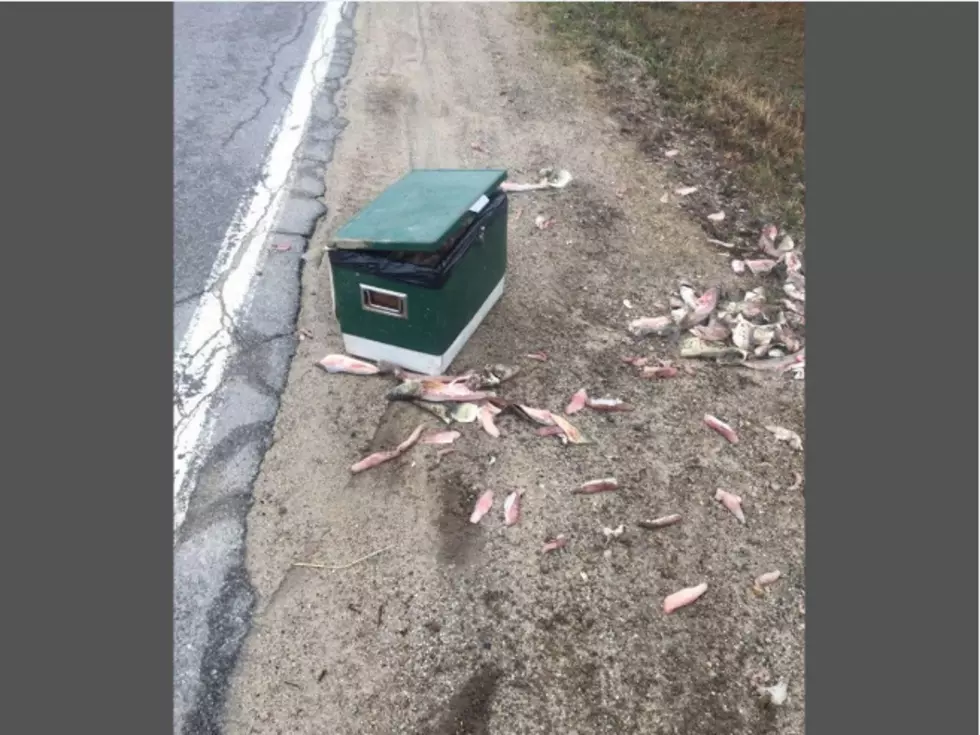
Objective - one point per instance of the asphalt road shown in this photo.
(254, 129)
(234, 68)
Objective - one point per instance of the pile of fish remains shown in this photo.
(754, 332)
(472, 397)
(762, 331)
(463, 399)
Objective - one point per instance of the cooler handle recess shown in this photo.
(382, 301)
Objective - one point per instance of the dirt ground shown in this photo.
(469, 629)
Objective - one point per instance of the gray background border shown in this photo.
(892, 265)
(87, 174)
(891, 517)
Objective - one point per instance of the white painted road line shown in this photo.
(208, 344)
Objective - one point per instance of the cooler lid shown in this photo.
(418, 211)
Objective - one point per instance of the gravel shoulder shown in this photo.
(470, 629)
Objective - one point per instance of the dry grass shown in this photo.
(734, 71)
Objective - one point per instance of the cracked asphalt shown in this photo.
(235, 69)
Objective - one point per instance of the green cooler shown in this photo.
(416, 271)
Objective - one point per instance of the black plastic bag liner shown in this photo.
(398, 266)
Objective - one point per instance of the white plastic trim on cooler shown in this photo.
(421, 362)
